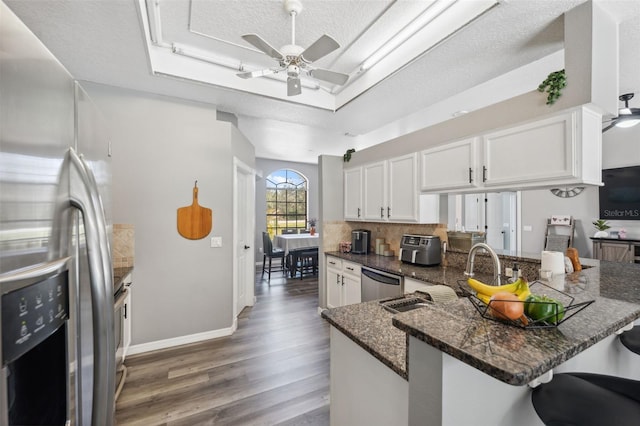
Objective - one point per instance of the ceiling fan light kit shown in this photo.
(627, 117)
(295, 59)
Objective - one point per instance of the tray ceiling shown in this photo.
(201, 41)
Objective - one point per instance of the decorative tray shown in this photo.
(554, 317)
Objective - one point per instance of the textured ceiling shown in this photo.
(102, 41)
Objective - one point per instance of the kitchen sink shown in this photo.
(405, 304)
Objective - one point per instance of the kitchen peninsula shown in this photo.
(442, 355)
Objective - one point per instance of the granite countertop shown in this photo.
(369, 325)
(432, 274)
(510, 354)
(119, 274)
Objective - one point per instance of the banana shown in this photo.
(490, 290)
(523, 290)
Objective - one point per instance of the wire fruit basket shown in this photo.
(556, 316)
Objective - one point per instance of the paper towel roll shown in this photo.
(552, 261)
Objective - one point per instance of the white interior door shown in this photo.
(244, 224)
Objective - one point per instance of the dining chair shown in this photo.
(304, 231)
(270, 253)
(289, 231)
(303, 260)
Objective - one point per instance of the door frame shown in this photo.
(249, 213)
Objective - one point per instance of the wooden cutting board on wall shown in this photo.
(194, 221)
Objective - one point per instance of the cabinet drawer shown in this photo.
(334, 263)
(351, 268)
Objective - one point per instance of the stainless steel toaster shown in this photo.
(421, 249)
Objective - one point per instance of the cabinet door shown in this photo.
(353, 194)
(334, 288)
(540, 151)
(375, 190)
(616, 252)
(403, 189)
(449, 166)
(352, 291)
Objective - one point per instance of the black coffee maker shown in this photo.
(360, 241)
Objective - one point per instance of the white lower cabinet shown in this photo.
(343, 282)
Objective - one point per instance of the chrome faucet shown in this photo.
(494, 256)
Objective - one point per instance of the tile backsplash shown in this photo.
(123, 248)
(335, 232)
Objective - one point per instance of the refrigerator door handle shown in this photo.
(40, 271)
(84, 196)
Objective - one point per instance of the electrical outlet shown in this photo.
(216, 242)
(508, 272)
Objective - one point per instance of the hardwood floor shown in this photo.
(274, 370)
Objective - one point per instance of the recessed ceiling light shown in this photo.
(459, 113)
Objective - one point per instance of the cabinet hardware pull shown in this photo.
(388, 211)
(351, 269)
(337, 279)
(470, 175)
(382, 212)
(358, 211)
(484, 173)
(343, 280)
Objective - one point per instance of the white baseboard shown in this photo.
(182, 340)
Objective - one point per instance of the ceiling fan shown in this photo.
(627, 117)
(294, 59)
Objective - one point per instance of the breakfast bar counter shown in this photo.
(470, 352)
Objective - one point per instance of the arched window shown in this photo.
(286, 201)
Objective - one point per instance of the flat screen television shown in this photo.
(620, 195)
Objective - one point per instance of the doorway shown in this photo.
(243, 236)
(494, 213)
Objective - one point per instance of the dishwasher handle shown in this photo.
(382, 277)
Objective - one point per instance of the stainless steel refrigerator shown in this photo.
(56, 280)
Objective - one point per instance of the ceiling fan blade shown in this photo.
(330, 76)
(293, 86)
(321, 47)
(612, 124)
(253, 74)
(263, 46)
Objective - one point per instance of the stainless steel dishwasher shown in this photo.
(379, 285)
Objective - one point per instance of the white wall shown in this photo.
(161, 146)
(265, 167)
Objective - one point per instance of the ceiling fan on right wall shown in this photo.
(627, 117)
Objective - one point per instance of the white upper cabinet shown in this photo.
(403, 196)
(538, 151)
(559, 150)
(353, 194)
(450, 166)
(389, 193)
(375, 191)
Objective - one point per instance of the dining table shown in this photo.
(294, 241)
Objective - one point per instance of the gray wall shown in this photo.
(161, 146)
(620, 148)
(264, 167)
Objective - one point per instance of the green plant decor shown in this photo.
(553, 85)
(347, 155)
(601, 225)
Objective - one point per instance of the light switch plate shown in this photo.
(216, 242)
(527, 228)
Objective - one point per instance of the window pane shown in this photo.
(286, 198)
